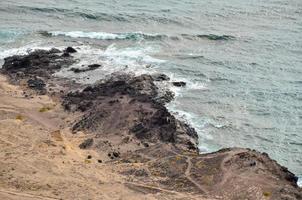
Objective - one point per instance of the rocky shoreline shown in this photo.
(125, 122)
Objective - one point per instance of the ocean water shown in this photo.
(242, 60)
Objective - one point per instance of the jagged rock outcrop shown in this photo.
(129, 105)
(41, 63)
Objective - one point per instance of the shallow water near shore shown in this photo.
(241, 60)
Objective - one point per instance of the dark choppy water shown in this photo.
(242, 59)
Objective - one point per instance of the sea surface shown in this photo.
(242, 60)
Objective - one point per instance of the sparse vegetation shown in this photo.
(45, 109)
(20, 117)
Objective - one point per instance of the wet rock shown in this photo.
(216, 37)
(94, 66)
(160, 77)
(86, 144)
(90, 68)
(70, 50)
(41, 63)
(45, 33)
(66, 54)
(179, 84)
(75, 70)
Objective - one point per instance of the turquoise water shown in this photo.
(241, 59)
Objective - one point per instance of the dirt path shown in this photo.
(188, 173)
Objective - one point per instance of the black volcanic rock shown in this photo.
(167, 97)
(160, 77)
(179, 84)
(76, 70)
(136, 109)
(66, 54)
(36, 68)
(90, 68)
(70, 50)
(94, 66)
(40, 63)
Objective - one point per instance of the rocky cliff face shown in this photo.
(126, 123)
(130, 107)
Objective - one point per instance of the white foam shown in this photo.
(197, 85)
(195, 121)
(15, 51)
(92, 35)
(103, 35)
(300, 181)
(113, 59)
(131, 55)
(24, 50)
(190, 85)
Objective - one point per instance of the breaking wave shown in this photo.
(107, 36)
(134, 36)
